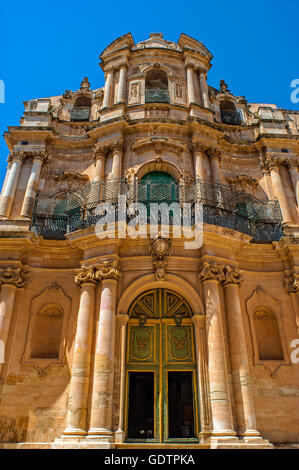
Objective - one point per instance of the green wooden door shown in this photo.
(160, 343)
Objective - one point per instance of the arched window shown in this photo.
(229, 114)
(158, 186)
(267, 334)
(47, 330)
(81, 109)
(156, 87)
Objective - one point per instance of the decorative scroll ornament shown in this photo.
(269, 161)
(292, 284)
(88, 274)
(95, 273)
(243, 183)
(160, 248)
(232, 275)
(17, 277)
(211, 271)
(108, 270)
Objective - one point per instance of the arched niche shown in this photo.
(46, 334)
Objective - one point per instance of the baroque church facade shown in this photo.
(115, 335)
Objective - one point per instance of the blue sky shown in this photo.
(49, 46)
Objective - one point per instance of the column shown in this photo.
(121, 92)
(200, 169)
(81, 368)
(32, 186)
(122, 320)
(117, 152)
(292, 287)
(222, 419)
(238, 355)
(102, 394)
(10, 280)
(270, 163)
(11, 185)
(214, 155)
(199, 322)
(6, 178)
(100, 161)
(204, 89)
(108, 88)
(190, 83)
(294, 175)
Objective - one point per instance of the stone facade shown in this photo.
(66, 293)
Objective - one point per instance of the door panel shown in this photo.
(160, 342)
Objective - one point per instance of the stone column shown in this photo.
(102, 394)
(10, 280)
(222, 419)
(6, 177)
(204, 89)
(238, 354)
(121, 92)
(11, 185)
(270, 163)
(200, 169)
(32, 184)
(199, 322)
(117, 152)
(292, 287)
(81, 368)
(215, 155)
(122, 320)
(292, 166)
(108, 88)
(100, 161)
(190, 83)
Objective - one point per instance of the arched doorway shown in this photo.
(161, 388)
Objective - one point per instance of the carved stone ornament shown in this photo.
(21, 155)
(292, 284)
(223, 87)
(243, 183)
(232, 275)
(16, 155)
(269, 161)
(95, 273)
(17, 277)
(71, 178)
(160, 248)
(197, 147)
(85, 85)
(212, 152)
(211, 271)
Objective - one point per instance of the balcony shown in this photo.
(80, 114)
(230, 117)
(156, 96)
(222, 206)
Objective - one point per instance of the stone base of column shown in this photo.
(73, 433)
(239, 444)
(120, 436)
(100, 435)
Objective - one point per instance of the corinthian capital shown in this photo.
(232, 275)
(269, 161)
(213, 153)
(197, 147)
(87, 274)
(291, 163)
(17, 277)
(292, 284)
(101, 152)
(118, 147)
(41, 155)
(211, 271)
(108, 270)
(16, 155)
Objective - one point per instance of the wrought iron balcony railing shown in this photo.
(222, 206)
(156, 96)
(80, 114)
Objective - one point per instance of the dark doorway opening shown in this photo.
(141, 405)
(180, 405)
